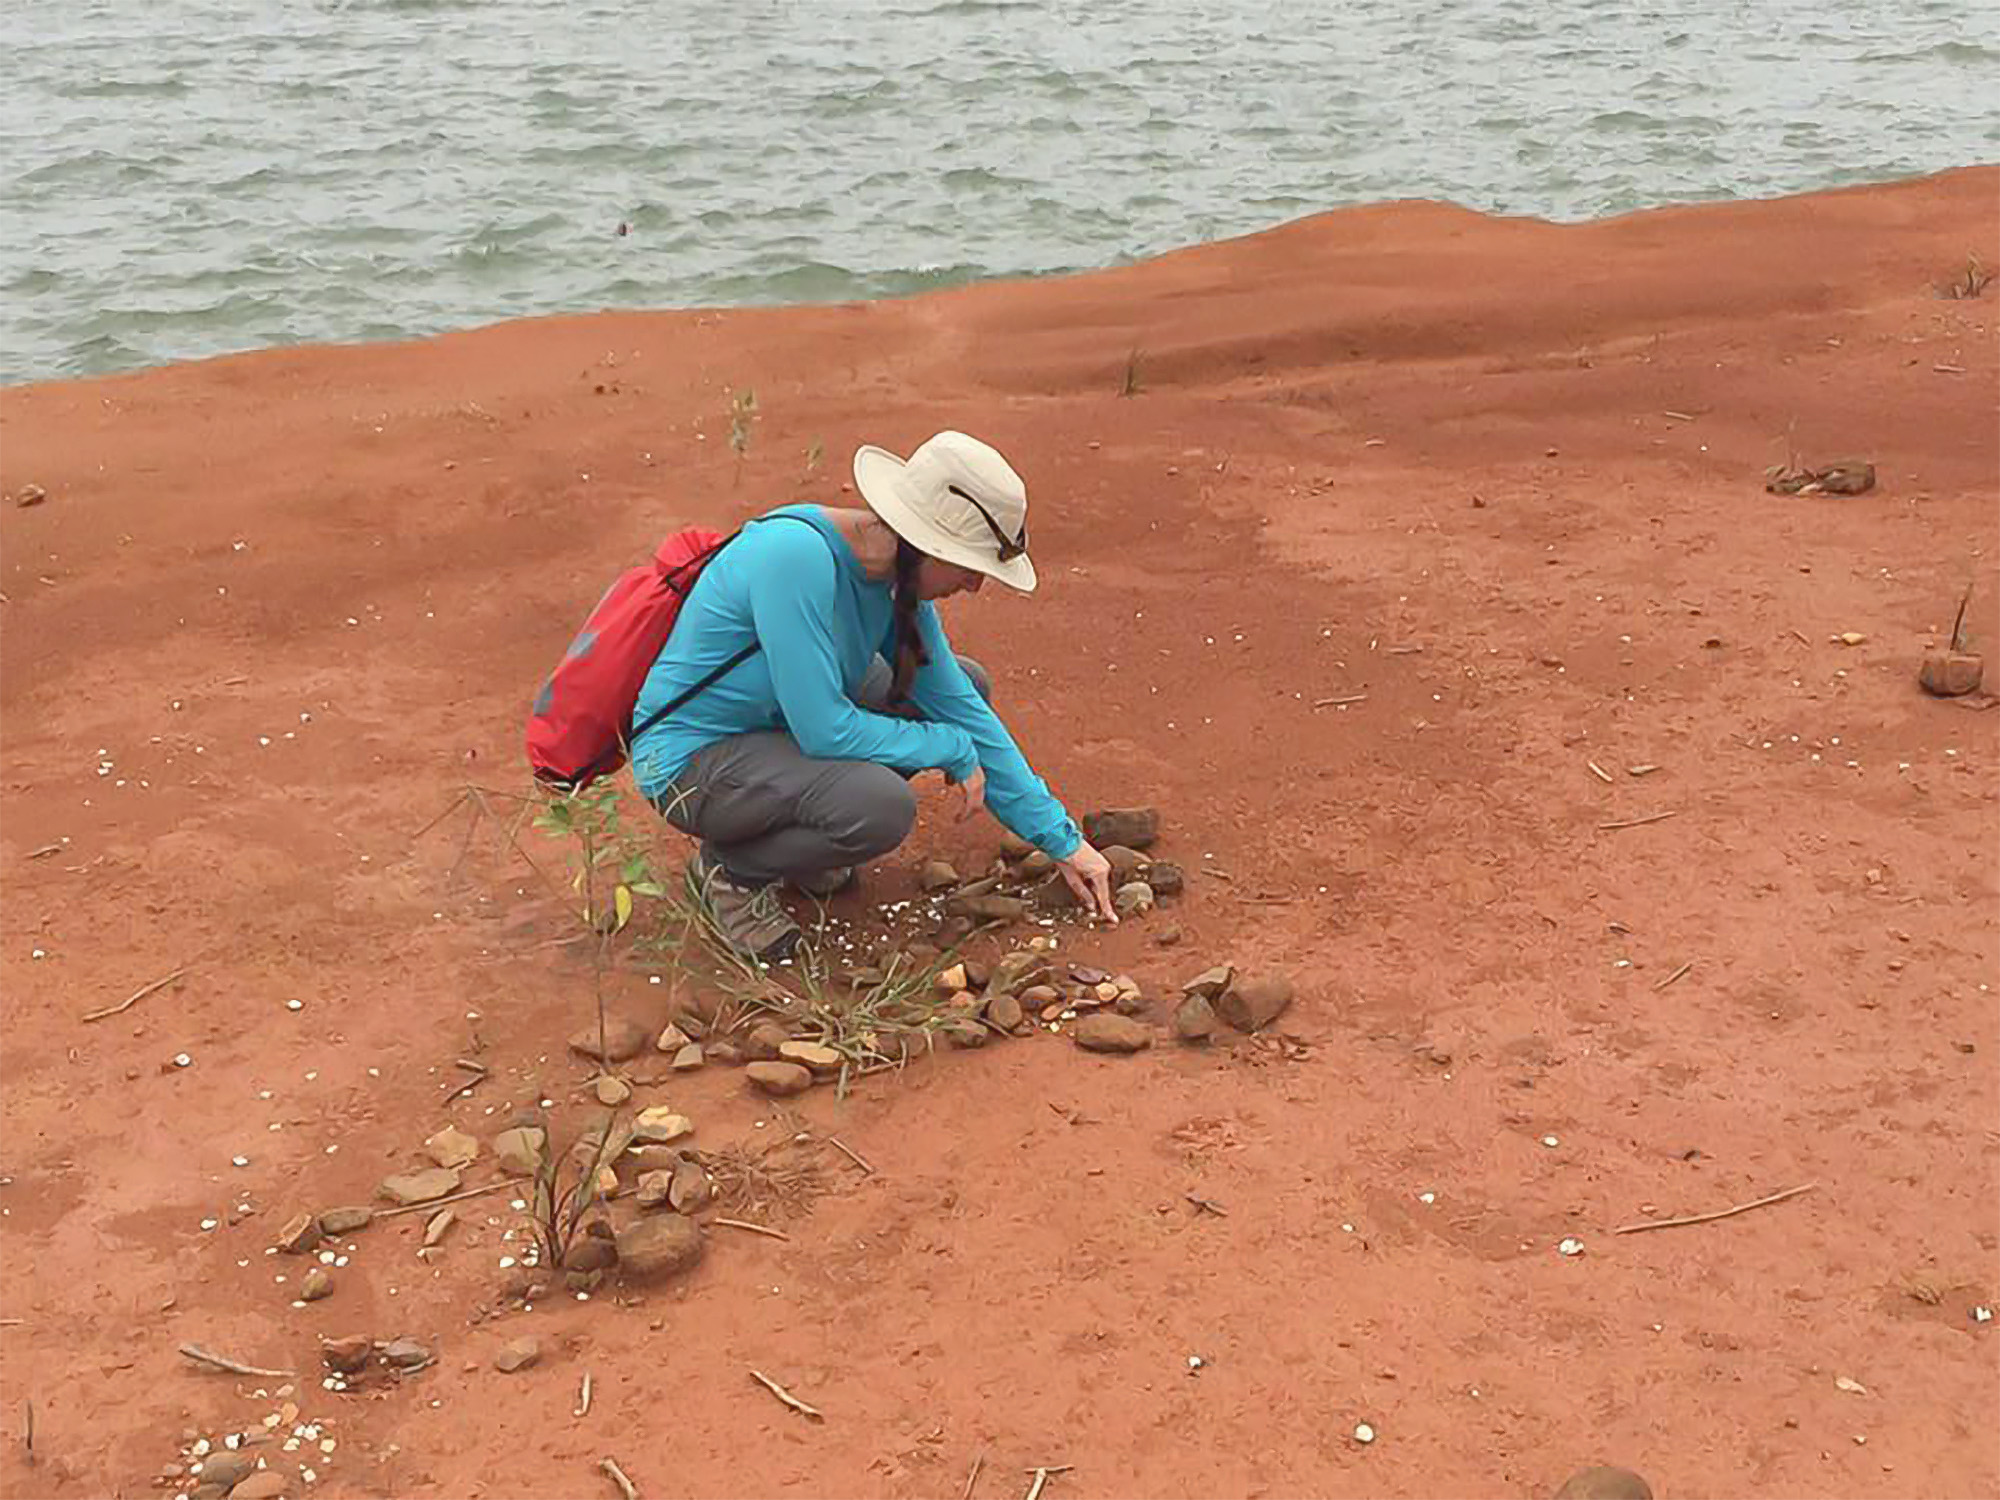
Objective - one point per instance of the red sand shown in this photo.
(1407, 426)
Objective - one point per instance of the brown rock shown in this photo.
(689, 1058)
(405, 1354)
(1109, 1032)
(451, 1147)
(300, 1236)
(1134, 827)
(936, 876)
(672, 1039)
(1034, 865)
(1012, 847)
(1195, 1020)
(1125, 864)
(689, 1190)
(654, 1188)
(1951, 674)
(1166, 878)
(519, 1151)
(1015, 972)
(316, 1285)
(227, 1467)
(1134, 899)
(723, 1053)
(1004, 1011)
(518, 1355)
(1210, 983)
(764, 1042)
(419, 1187)
(1055, 896)
(624, 1039)
(1168, 936)
(966, 1032)
(265, 1484)
(659, 1246)
(781, 1079)
(596, 1249)
(820, 1061)
(1601, 1482)
(345, 1220)
(660, 1126)
(1040, 997)
(346, 1355)
(988, 908)
(1253, 1004)
(611, 1091)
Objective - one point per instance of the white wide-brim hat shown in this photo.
(955, 499)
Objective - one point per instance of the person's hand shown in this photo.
(973, 790)
(1089, 875)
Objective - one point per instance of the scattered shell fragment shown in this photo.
(1570, 1247)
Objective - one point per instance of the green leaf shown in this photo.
(622, 899)
(649, 888)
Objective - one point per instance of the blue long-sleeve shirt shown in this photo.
(799, 592)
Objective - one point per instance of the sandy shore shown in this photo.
(1502, 478)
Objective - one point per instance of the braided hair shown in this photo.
(909, 643)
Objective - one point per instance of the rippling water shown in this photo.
(185, 177)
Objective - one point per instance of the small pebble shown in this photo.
(1363, 1433)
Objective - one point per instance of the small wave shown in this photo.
(971, 8)
(128, 88)
(1953, 51)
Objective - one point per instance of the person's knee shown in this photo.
(878, 810)
(981, 678)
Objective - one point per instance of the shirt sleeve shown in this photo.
(1018, 797)
(792, 603)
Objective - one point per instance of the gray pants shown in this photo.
(765, 812)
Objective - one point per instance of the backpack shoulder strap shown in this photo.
(682, 699)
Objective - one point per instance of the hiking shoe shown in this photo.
(824, 885)
(750, 918)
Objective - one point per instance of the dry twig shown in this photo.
(478, 1077)
(1340, 702)
(973, 1478)
(850, 1153)
(201, 1356)
(1727, 1213)
(610, 1466)
(776, 1234)
(583, 1398)
(1599, 772)
(1638, 822)
(136, 996)
(1042, 1476)
(1677, 974)
(801, 1407)
(478, 1192)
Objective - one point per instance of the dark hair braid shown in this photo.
(909, 647)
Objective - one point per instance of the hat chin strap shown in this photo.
(1005, 547)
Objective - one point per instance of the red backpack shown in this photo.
(581, 724)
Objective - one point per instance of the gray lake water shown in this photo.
(186, 177)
